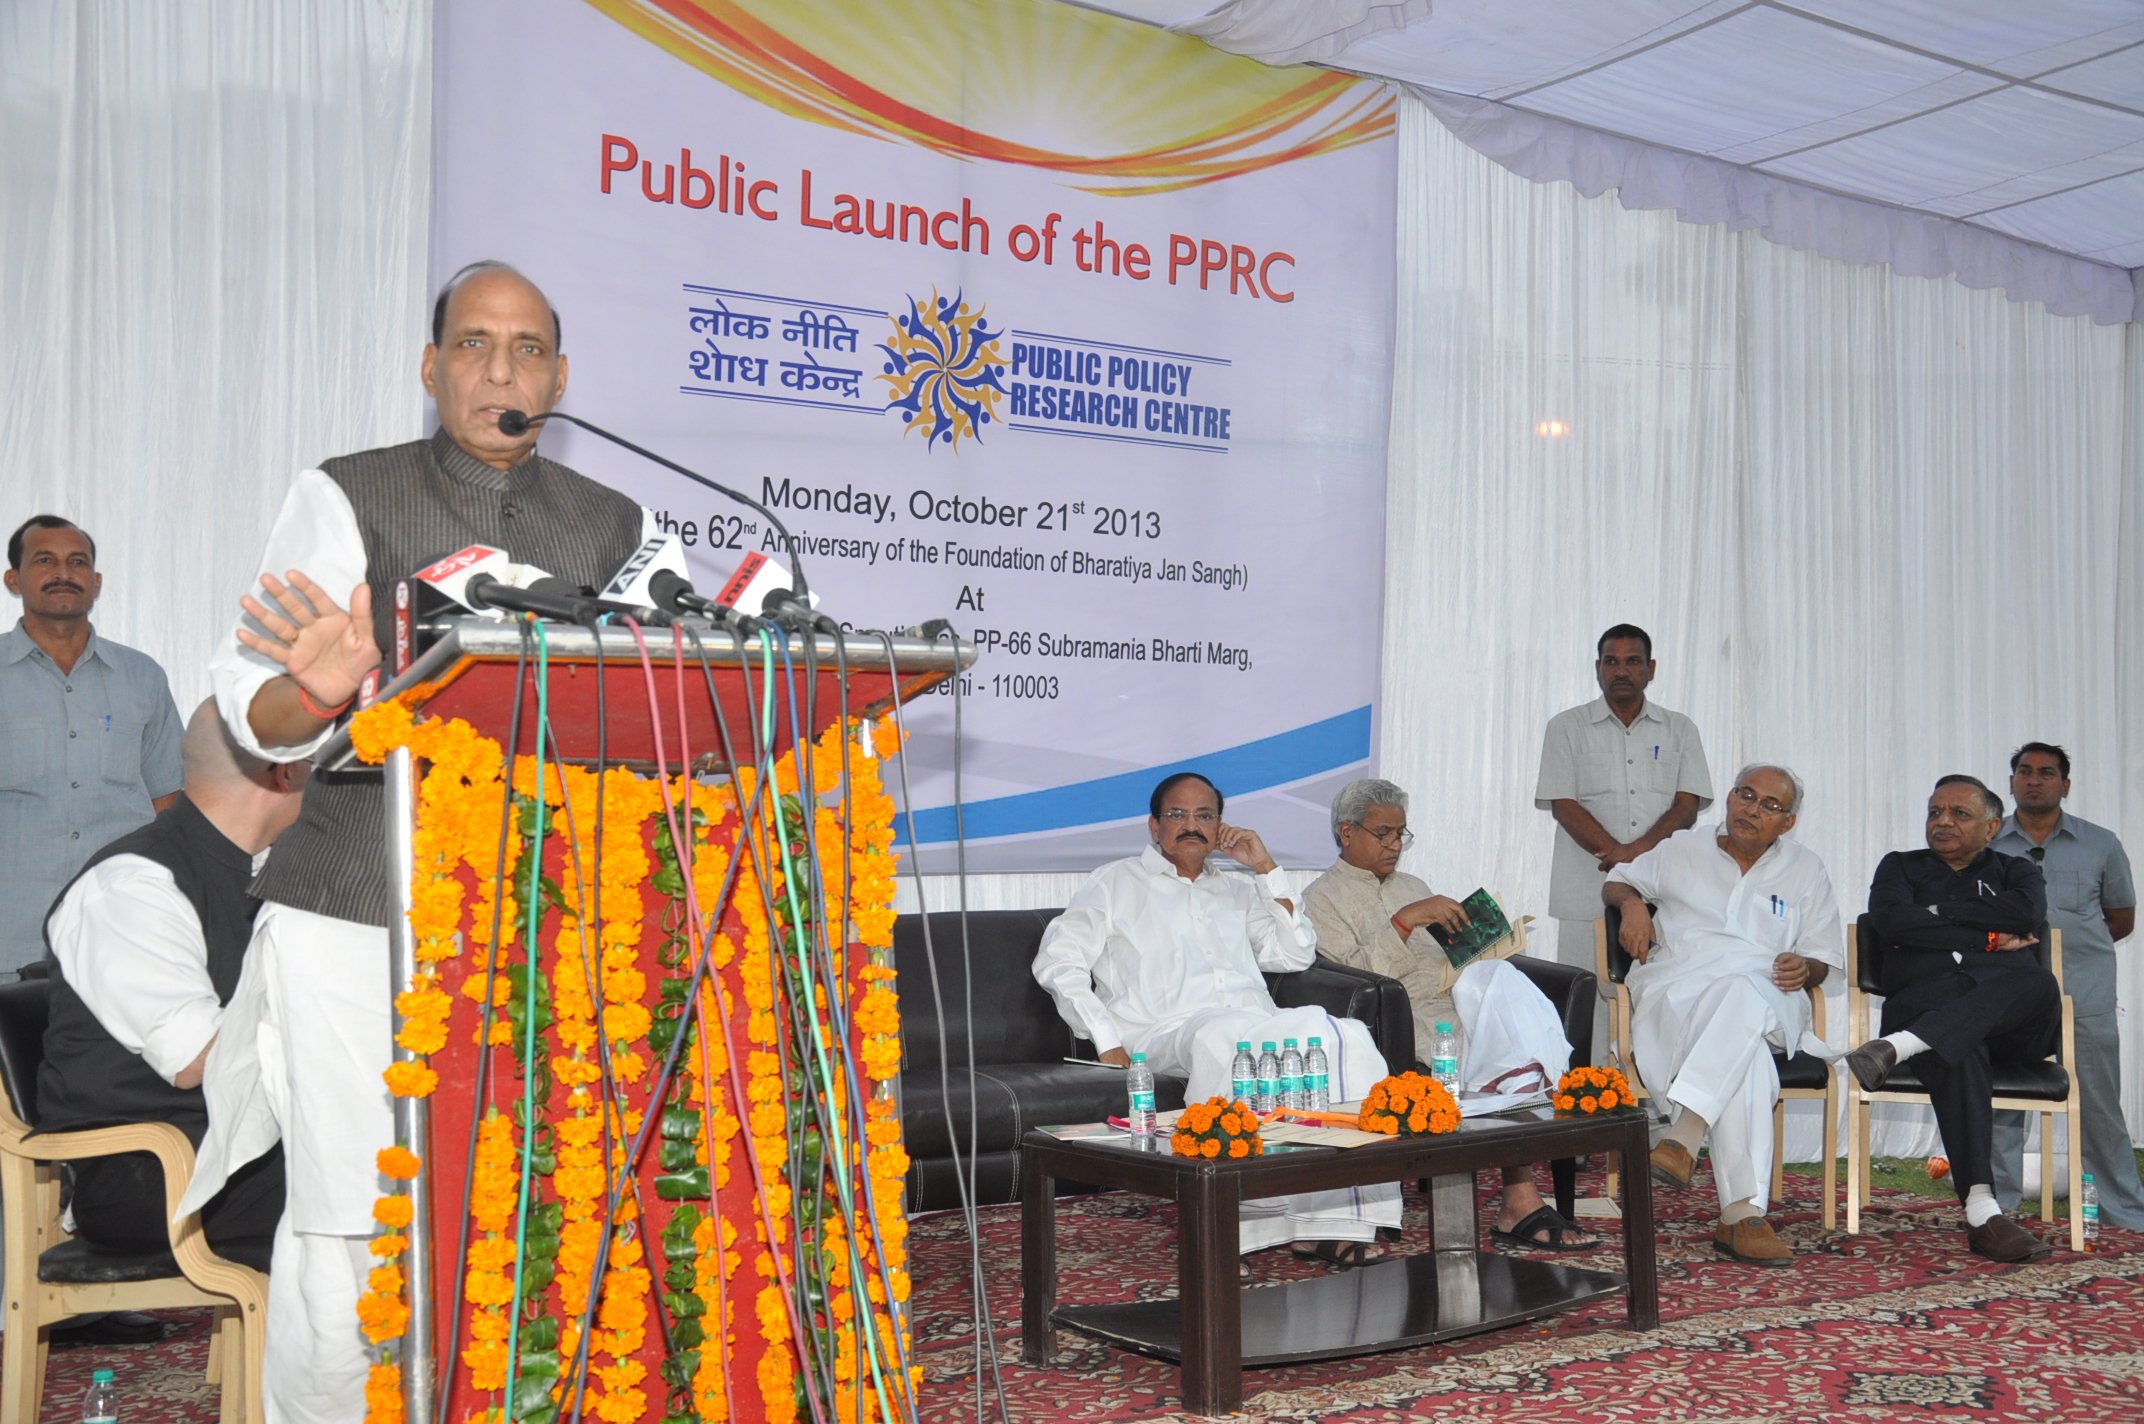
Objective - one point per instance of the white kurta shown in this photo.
(318, 987)
(1704, 1010)
(1145, 960)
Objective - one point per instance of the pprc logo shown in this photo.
(944, 371)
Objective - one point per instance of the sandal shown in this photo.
(1343, 1255)
(1543, 1230)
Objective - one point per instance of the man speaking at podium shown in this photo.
(308, 1034)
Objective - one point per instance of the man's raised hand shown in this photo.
(326, 649)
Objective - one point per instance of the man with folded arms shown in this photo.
(1959, 987)
(1372, 915)
(1161, 954)
(1746, 922)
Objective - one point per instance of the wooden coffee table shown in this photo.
(1216, 1326)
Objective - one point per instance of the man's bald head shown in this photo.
(212, 758)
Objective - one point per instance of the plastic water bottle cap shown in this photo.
(1444, 1028)
(1138, 1058)
(1243, 1045)
(2088, 1176)
(1316, 1042)
(1269, 1045)
(101, 1377)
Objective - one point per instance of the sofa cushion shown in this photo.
(989, 970)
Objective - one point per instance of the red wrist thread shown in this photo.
(325, 714)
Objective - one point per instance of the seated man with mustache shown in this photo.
(1161, 954)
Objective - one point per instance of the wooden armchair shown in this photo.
(2046, 1087)
(1801, 1076)
(51, 1276)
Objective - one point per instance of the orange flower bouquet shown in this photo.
(1593, 1090)
(1217, 1128)
(1409, 1105)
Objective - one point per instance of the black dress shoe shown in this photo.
(118, 1327)
(1872, 1063)
(2001, 1239)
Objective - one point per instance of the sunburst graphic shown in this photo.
(944, 370)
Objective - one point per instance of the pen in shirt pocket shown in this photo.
(1656, 753)
(107, 721)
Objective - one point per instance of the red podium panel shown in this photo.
(657, 703)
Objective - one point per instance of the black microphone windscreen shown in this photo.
(513, 422)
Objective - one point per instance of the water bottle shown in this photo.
(1268, 1097)
(1318, 1078)
(1139, 1083)
(1243, 1075)
(101, 1404)
(1291, 1075)
(1444, 1057)
(2088, 1211)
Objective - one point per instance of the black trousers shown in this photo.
(119, 1202)
(1967, 1020)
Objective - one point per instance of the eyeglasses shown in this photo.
(1397, 838)
(1177, 815)
(2038, 853)
(1748, 794)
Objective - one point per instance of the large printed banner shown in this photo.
(1071, 332)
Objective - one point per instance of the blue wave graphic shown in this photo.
(1292, 755)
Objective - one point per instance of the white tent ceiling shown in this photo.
(2024, 119)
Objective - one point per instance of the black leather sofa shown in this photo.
(985, 996)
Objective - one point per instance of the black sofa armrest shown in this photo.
(1373, 999)
(1573, 992)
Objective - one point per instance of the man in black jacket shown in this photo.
(149, 939)
(1960, 982)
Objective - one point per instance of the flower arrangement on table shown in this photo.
(1593, 1090)
(1217, 1128)
(1409, 1105)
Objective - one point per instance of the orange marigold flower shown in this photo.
(393, 1212)
(398, 1162)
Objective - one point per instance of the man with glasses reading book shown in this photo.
(1372, 915)
(1729, 924)
(1160, 953)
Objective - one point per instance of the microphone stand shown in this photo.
(517, 422)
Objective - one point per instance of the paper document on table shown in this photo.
(1489, 1104)
(1309, 1135)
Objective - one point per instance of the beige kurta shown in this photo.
(1352, 910)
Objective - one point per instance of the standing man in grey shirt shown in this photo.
(89, 735)
(2093, 901)
(1620, 775)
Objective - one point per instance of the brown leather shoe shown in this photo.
(2001, 1239)
(1752, 1241)
(1872, 1063)
(1673, 1164)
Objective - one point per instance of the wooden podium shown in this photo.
(734, 735)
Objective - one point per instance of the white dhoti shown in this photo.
(1705, 1027)
(1203, 1046)
(299, 1056)
(1510, 1040)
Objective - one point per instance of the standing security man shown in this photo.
(89, 735)
(2093, 901)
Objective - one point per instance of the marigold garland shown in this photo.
(461, 800)
(1217, 1128)
(1409, 1105)
(1591, 1090)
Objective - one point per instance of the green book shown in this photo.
(1486, 929)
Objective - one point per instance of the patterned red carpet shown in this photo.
(1900, 1323)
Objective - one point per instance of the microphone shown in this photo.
(449, 578)
(542, 595)
(517, 422)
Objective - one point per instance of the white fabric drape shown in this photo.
(212, 273)
(1880, 527)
